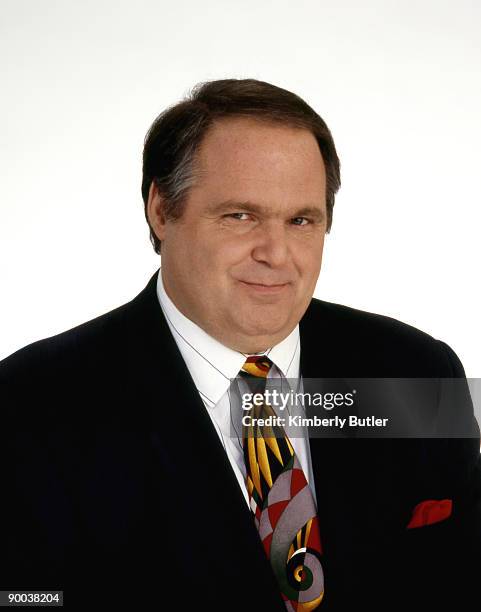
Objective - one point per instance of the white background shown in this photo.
(398, 83)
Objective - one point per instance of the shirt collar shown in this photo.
(211, 364)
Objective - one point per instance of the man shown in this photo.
(122, 483)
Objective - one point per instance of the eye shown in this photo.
(300, 221)
(238, 215)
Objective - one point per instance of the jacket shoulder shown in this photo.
(86, 342)
(382, 340)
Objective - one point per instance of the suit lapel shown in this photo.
(198, 491)
(352, 476)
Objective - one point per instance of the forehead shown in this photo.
(245, 157)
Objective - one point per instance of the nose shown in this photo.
(271, 244)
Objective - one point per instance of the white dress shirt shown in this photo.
(212, 367)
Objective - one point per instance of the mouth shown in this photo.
(265, 288)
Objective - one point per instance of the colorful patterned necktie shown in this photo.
(281, 501)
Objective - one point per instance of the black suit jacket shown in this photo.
(116, 488)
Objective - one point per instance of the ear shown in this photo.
(155, 211)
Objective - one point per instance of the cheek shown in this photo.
(308, 259)
(207, 269)
(225, 255)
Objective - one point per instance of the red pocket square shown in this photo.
(431, 511)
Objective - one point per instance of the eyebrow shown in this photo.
(252, 207)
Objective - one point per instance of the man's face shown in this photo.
(243, 260)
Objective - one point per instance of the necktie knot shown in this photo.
(257, 365)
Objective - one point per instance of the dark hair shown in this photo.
(172, 141)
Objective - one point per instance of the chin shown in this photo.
(270, 330)
(271, 335)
